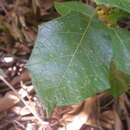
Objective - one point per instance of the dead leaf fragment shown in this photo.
(9, 100)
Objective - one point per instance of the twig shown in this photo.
(24, 102)
(19, 124)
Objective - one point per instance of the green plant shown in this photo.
(77, 56)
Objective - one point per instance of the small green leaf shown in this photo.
(120, 81)
(64, 8)
(2, 27)
(122, 4)
(116, 14)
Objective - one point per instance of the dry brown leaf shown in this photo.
(47, 4)
(29, 35)
(22, 111)
(118, 123)
(85, 113)
(35, 5)
(22, 21)
(107, 119)
(23, 77)
(123, 102)
(89, 2)
(9, 100)
(14, 31)
(107, 115)
(2, 115)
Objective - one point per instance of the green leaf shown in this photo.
(122, 4)
(120, 81)
(2, 27)
(117, 14)
(72, 57)
(64, 8)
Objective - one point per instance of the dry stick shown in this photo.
(24, 102)
(19, 124)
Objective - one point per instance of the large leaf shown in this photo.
(122, 4)
(72, 56)
(64, 8)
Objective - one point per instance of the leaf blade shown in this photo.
(65, 8)
(124, 5)
(71, 61)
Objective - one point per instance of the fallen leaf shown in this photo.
(9, 100)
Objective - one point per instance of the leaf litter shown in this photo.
(18, 28)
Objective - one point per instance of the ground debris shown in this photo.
(100, 112)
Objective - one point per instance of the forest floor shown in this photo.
(20, 108)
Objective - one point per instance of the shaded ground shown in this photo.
(18, 29)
